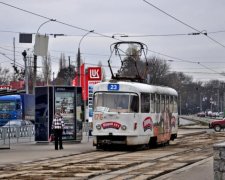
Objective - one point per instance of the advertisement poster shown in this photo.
(64, 103)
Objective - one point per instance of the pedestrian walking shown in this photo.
(57, 126)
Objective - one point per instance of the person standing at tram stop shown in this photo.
(57, 126)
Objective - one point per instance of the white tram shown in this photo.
(131, 113)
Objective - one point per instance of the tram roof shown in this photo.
(136, 87)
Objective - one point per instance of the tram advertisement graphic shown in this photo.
(147, 123)
(113, 125)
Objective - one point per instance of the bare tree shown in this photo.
(128, 66)
(5, 76)
(103, 71)
(66, 72)
(158, 69)
(62, 61)
(46, 69)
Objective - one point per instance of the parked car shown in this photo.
(217, 124)
(221, 114)
(18, 123)
(208, 113)
(201, 114)
(214, 114)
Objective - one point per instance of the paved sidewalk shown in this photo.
(32, 151)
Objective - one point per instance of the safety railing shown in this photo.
(16, 134)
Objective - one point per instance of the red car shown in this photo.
(217, 124)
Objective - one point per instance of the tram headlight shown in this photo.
(98, 126)
(123, 127)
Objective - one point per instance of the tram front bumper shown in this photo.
(108, 140)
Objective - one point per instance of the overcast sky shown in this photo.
(200, 56)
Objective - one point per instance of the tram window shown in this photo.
(116, 102)
(121, 101)
(167, 102)
(152, 103)
(157, 103)
(98, 100)
(171, 104)
(162, 103)
(175, 105)
(134, 104)
(145, 103)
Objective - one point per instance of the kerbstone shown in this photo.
(219, 161)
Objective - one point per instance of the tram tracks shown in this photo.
(144, 164)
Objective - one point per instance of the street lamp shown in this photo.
(35, 56)
(45, 23)
(120, 35)
(78, 57)
(78, 68)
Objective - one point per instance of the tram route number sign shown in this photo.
(113, 87)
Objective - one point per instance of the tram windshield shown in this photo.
(116, 102)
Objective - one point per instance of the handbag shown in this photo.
(51, 138)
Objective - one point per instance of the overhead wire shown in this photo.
(20, 65)
(183, 60)
(195, 72)
(173, 17)
(60, 22)
(127, 35)
(83, 29)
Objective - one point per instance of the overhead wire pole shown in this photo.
(35, 57)
(78, 69)
(79, 58)
(14, 58)
(69, 71)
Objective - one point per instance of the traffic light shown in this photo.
(15, 69)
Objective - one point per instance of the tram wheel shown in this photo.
(153, 142)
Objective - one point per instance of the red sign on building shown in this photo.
(93, 76)
(94, 73)
(5, 87)
(83, 82)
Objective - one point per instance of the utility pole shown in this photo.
(78, 57)
(200, 102)
(218, 100)
(35, 56)
(69, 71)
(53, 78)
(78, 67)
(35, 73)
(24, 53)
(180, 104)
(14, 58)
